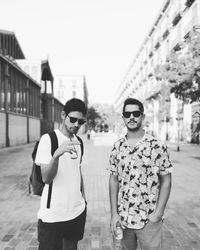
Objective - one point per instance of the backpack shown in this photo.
(36, 183)
(35, 180)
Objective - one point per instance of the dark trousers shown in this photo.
(61, 235)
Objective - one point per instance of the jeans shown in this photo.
(149, 237)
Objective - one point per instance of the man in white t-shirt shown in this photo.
(61, 223)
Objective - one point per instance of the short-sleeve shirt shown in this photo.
(66, 200)
(138, 171)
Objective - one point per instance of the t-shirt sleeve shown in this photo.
(166, 166)
(43, 155)
(112, 168)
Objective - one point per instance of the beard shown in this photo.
(135, 128)
(74, 130)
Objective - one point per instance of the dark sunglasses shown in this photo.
(136, 113)
(74, 119)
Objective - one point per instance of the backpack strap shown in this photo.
(82, 148)
(35, 150)
(54, 146)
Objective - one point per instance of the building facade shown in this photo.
(172, 25)
(41, 72)
(67, 87)
(26, 112)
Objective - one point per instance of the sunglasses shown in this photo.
(74, 119)
(136, 113)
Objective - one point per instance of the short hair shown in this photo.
(134, 102)
(75, 104)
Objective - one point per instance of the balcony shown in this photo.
(157, 45)
(177, 47)
(177, 18)
(165, 34)
(145, 62)
(188, 3)
(150, 75)
(165, 6)
(150, 54)
(151, 32)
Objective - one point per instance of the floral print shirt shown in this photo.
(138, 171)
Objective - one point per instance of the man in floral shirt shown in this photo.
(140, 182)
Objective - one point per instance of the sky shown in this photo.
(95, 38)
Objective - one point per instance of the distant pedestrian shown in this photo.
(88, 134)
(61, 223)
(140, 182)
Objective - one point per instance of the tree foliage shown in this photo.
(179, 70)
(92, 116)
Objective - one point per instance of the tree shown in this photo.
(181, 71)
(178, 72)
(85, 91)
(92, 116)
(194, 48)
(108, 114)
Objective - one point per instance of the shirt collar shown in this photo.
(146, 137)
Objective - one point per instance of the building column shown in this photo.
(6, 74)
(27, 109)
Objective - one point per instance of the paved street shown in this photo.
(18, 222)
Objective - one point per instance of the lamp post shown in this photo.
(178, 134)
(167, 119)
(179, 111)
(167, 128)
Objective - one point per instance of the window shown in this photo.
(73, 93)
(34, 99)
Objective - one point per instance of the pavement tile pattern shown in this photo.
(18, 209)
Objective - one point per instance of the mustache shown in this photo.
(132, 120)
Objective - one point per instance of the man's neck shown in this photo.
(66, 133)
(138, 134)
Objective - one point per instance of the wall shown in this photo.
(2, 130)
(17, 129)
(34, 129)
(56, 125)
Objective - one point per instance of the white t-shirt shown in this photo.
(66, 200)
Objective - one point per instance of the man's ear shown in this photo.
(63, 115)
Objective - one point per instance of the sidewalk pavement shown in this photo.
(18, 222)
